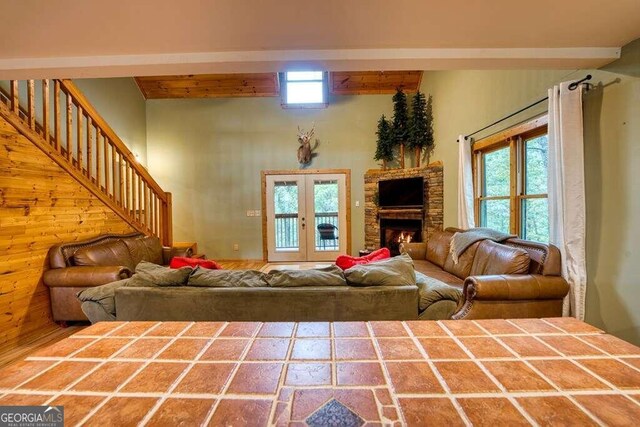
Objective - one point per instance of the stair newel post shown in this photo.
(166, 220)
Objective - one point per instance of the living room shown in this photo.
(215, 155)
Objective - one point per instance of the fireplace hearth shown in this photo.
(393, 232)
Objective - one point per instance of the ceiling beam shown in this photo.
(328, 60)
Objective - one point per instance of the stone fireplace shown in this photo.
(390, 227)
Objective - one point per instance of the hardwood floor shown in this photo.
(241, 264)
(48, 338)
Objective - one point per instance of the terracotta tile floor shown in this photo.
(486, 372)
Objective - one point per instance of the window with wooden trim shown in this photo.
(510, 176)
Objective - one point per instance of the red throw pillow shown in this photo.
(346, 261)
(178, 261)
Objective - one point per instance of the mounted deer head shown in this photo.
(305, 151)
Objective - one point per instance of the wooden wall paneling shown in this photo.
(41, 205)
(209, 85)
(373, 82)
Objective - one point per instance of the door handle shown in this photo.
(303, 224)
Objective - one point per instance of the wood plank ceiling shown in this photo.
(267, 84)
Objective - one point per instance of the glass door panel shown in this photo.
(286, 240)
(285, 196)
(326, 205)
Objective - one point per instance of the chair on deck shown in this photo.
(327, 232)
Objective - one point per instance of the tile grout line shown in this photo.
(66, 358)
(435, 359)
(378, 361)
(232, 374)
(491, 377)
(283, 374)
(114, 393)
(385, 373)
(185, 371)
(564, 393)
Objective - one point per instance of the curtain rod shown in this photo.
(572, 86)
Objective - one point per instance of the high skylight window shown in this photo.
(304, 88)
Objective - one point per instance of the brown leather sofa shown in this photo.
(98, 261)
(513, 279)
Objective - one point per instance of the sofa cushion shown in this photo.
(227, 279)
(496, 258)
(463, 268)
(432, 270)
(327, 276)
(157, 275)
(147, 248)
(438, 247)
(396, 271)
(432, 290)
(111, 253)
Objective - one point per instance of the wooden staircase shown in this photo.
(58, 119)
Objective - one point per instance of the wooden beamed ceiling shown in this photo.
(267, 84)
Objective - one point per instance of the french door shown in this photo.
(306, 216)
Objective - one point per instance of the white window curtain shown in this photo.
(566, 191)
(466, 218)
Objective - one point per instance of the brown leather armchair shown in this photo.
(513, 279)
(98, 261)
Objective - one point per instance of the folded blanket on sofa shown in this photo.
(463, 239)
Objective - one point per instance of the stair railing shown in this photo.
(57, 117)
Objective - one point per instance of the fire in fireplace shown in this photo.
(393, 232)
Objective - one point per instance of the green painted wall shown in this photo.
(122, 105)
(209, 154)
(465, 101)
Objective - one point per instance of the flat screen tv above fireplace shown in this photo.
(401, 193)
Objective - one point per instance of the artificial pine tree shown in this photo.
(384, 148)
(400, 122)
(421, 125)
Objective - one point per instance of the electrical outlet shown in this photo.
(236, 247)
(357, 203)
